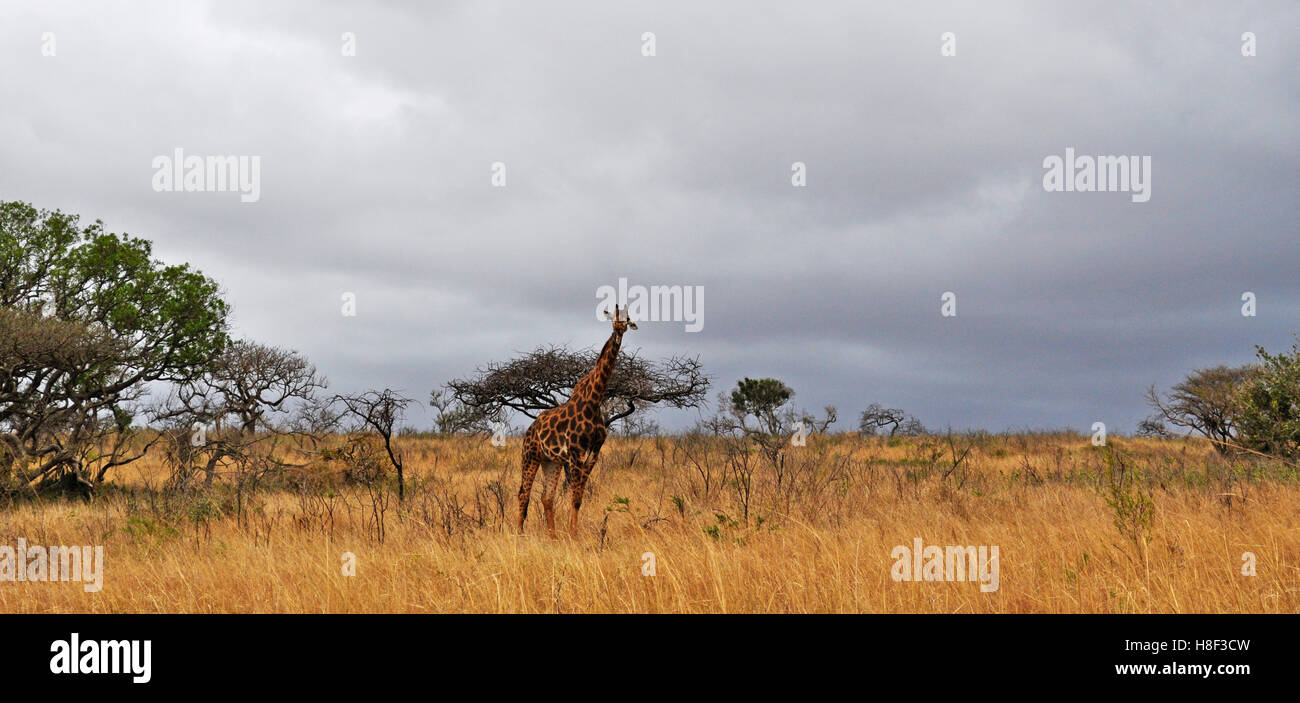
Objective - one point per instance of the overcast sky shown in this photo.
(924, 175)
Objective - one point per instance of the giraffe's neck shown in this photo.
(591, 389)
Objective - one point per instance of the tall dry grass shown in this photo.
(729, 533)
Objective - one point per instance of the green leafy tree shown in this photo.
(763, 399)
(130, 320)
(1270, 405)
(768, 402)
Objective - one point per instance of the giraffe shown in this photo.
(570, 435)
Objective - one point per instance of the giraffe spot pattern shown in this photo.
(569, 436)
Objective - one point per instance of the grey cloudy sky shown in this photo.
(924, 175)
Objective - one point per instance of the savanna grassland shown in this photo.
(1143, 525)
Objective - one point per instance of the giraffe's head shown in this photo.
(622, 322)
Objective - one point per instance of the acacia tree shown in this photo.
(243, 401)
(255, 379)
(876, 417)
(1205, 402)
(91, 319)
(763, 398)
(545, 378)
(454, 417)
(767, 402)
(380, 411)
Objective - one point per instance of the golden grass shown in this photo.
(821, 542)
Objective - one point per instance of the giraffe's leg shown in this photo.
(528, 472)
(579, 473)
(550, 481)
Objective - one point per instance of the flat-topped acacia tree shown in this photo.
(544, 379)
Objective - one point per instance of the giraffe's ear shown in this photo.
(631, 325)
(609, 315)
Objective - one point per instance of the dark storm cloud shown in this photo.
(924, 176)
